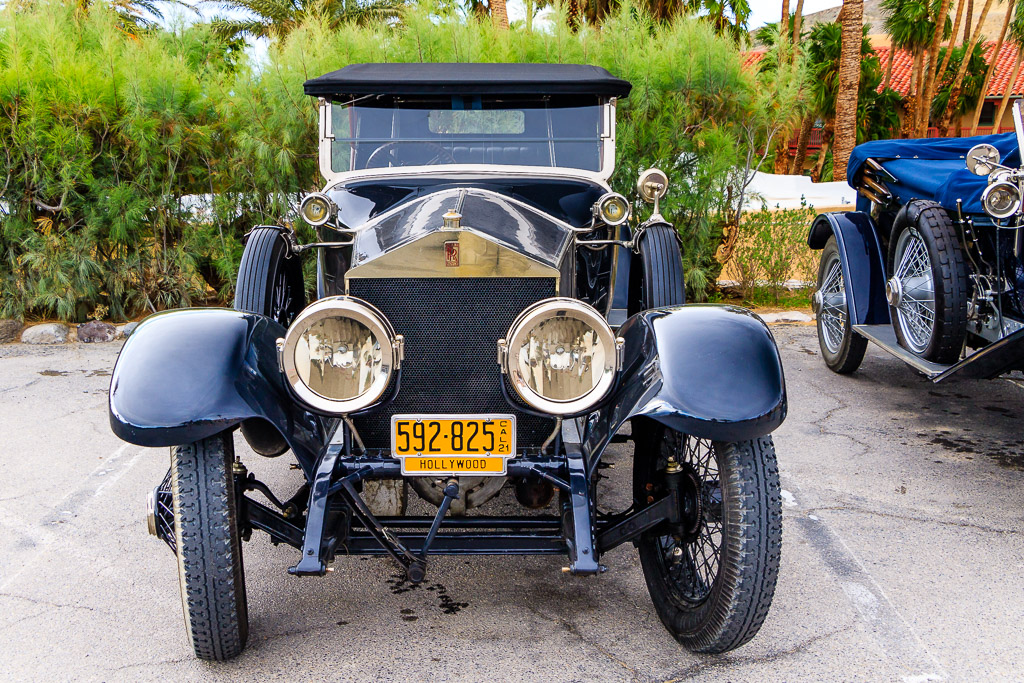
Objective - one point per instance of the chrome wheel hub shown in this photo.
(911, 291)
(893, 292)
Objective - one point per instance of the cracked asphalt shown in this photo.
(902, 554)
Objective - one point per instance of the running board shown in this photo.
(993, 360)
(885, 336)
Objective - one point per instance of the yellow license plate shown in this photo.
(453, 444)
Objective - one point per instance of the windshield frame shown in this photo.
(606, 141)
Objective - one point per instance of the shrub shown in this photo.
(772, 248)
(134, 164)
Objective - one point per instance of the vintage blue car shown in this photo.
(487, 316)
(931, 264)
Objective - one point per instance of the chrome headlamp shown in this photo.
(316, 209)
(560, 356)
(612, 209)
(1001, 199)
(339, 355)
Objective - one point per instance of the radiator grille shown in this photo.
(451, 328)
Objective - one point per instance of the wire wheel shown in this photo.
(911, 291)
(833, 314)
(841, 349)
(711, 573)
(691, 556)
(928, 287)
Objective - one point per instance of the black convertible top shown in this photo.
(467, 79)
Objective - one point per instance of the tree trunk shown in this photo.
(888, 65)
(957, 87)
(910, 103)
(499, 13)
(849, 85)
(798, 18)
(782, 152)
(797, 166)
(1009, 89)
(952, 39)
(826, 143)
(784, 22)
(970, 16)
(992, 66)
(927, 91)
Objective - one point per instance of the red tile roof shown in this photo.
(903, 63)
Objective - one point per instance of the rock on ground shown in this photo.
(96, 331)
(47, 333)
(9, 330)
(125, 331)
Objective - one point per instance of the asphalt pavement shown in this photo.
(902, 554)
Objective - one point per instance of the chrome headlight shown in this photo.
(612, 208)
(339, 355)
(316, 209)
(560, 356)
(1001, 199)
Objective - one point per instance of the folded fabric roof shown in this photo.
(467, 79)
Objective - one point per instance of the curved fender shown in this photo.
(185, 375)
(863, 264)
(708, 370)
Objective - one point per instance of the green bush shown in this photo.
(105, 137)
(771, 248)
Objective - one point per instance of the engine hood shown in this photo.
(498, 237)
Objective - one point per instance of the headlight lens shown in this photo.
(613, 209)
(316, 209)
(339, 355)
(560, 356)
(1001, 199)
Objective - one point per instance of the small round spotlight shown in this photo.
(316, 209)
(612, 209)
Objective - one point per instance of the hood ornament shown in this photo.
(452, 220)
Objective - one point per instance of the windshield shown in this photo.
(376, 132)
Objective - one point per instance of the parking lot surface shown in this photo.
(902, 560)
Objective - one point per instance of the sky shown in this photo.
(761, 12)
(769, 11)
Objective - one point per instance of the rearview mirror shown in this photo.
(983, 159)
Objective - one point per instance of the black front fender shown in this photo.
(707, 370)
(186, 375)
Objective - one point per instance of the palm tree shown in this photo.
(1017, 38)
(852, 20)
(133, 13)
(957, 87)
(911, 27)
(499, 13)
(728, 17)
(992, 65)
(931, 77)
(278, 18)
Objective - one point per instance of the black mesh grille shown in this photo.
(451, 328)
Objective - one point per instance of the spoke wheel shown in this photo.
(712, 575)
(841, 348)
(927, 289)
(912, 281)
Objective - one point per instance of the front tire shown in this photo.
(269, 278)
(657, 277)
(209, 547)
(711, 577)
(842, 349)
(927, 290)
